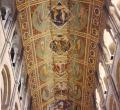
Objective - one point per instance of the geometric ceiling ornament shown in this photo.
(60, 39)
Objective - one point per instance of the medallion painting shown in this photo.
(59, 14)
(60, 38)
(40, 19)
(60, 46)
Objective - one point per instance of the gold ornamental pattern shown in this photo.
(60, 39)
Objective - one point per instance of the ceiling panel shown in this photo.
(60, 39)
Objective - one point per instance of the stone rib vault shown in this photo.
(60, 39)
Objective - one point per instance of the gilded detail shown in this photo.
(60, 40)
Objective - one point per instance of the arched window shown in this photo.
(3, 13)
(6, 90)
(14, 53)
(103, 77)
(97, 99)
(109, 44)
(15, 50)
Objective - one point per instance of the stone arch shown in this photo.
(5, 12)
(116, 3)
(112, 104)
(103, 76)
(118, 76)
(6, 92)
(15, 48)
(112, 48)
(16, 106)
(109, 43)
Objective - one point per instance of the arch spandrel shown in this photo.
(60, 40)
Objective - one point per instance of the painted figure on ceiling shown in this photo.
(60, 67)
(59, 14)
(61, 88)
(39, 17)
(62, 105)
(60, 46)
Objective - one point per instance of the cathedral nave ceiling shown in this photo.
(60, 39)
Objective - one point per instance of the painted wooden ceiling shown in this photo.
(60, 39)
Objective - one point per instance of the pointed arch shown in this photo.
(6, 91)
(118, 76)
(112, 104)
(16, 106)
